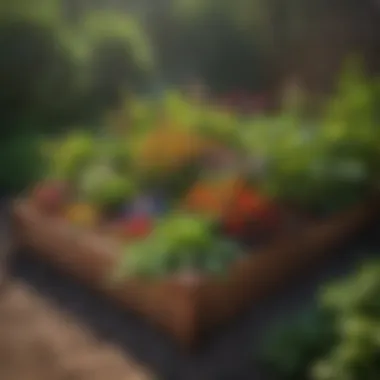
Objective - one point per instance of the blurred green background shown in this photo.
(68, 63)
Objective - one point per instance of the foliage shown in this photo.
(198, 157)
(96, 167)
(180, 114)
(34, 70)
(70, 155)
(357, 314)
(55, 73)
(42, 12)
(209, 43)
(277, 41)
(102, 186)
(45, 54)
(22, 163)
(241, 13)
(114, 54)
(293, 345)
(336, 159)
(98, 26)
(339, 340)
(179, 244)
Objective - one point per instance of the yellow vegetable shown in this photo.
(83, 215)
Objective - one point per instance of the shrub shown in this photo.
(21, 163)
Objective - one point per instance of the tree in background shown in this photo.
(305, 40)
(118, 56)
(206, 45)
(53, 69)
(251, 44)
(58, 71)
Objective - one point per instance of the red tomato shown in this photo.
(249, 203)
(249, 206)
(139, 226)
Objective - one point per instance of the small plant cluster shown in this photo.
(339, 340)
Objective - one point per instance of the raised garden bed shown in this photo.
(185, 307)
(186, 219)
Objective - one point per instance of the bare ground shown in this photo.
(38, 342)
(227, 355)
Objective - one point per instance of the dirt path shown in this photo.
(38, 342)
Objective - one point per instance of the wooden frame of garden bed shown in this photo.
(185, 309)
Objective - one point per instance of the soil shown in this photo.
(40, 342)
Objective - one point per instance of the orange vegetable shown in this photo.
(212, 197)
(205, 201)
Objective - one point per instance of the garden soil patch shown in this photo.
(38, 342)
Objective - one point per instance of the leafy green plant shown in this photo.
(104, 187)
(179, 244)
(355, 304)
(71, 155)
(326, 166)
(337, 341)
(293, 346)
(204, 120)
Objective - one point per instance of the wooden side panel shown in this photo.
(91, 257)
(266, 271)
